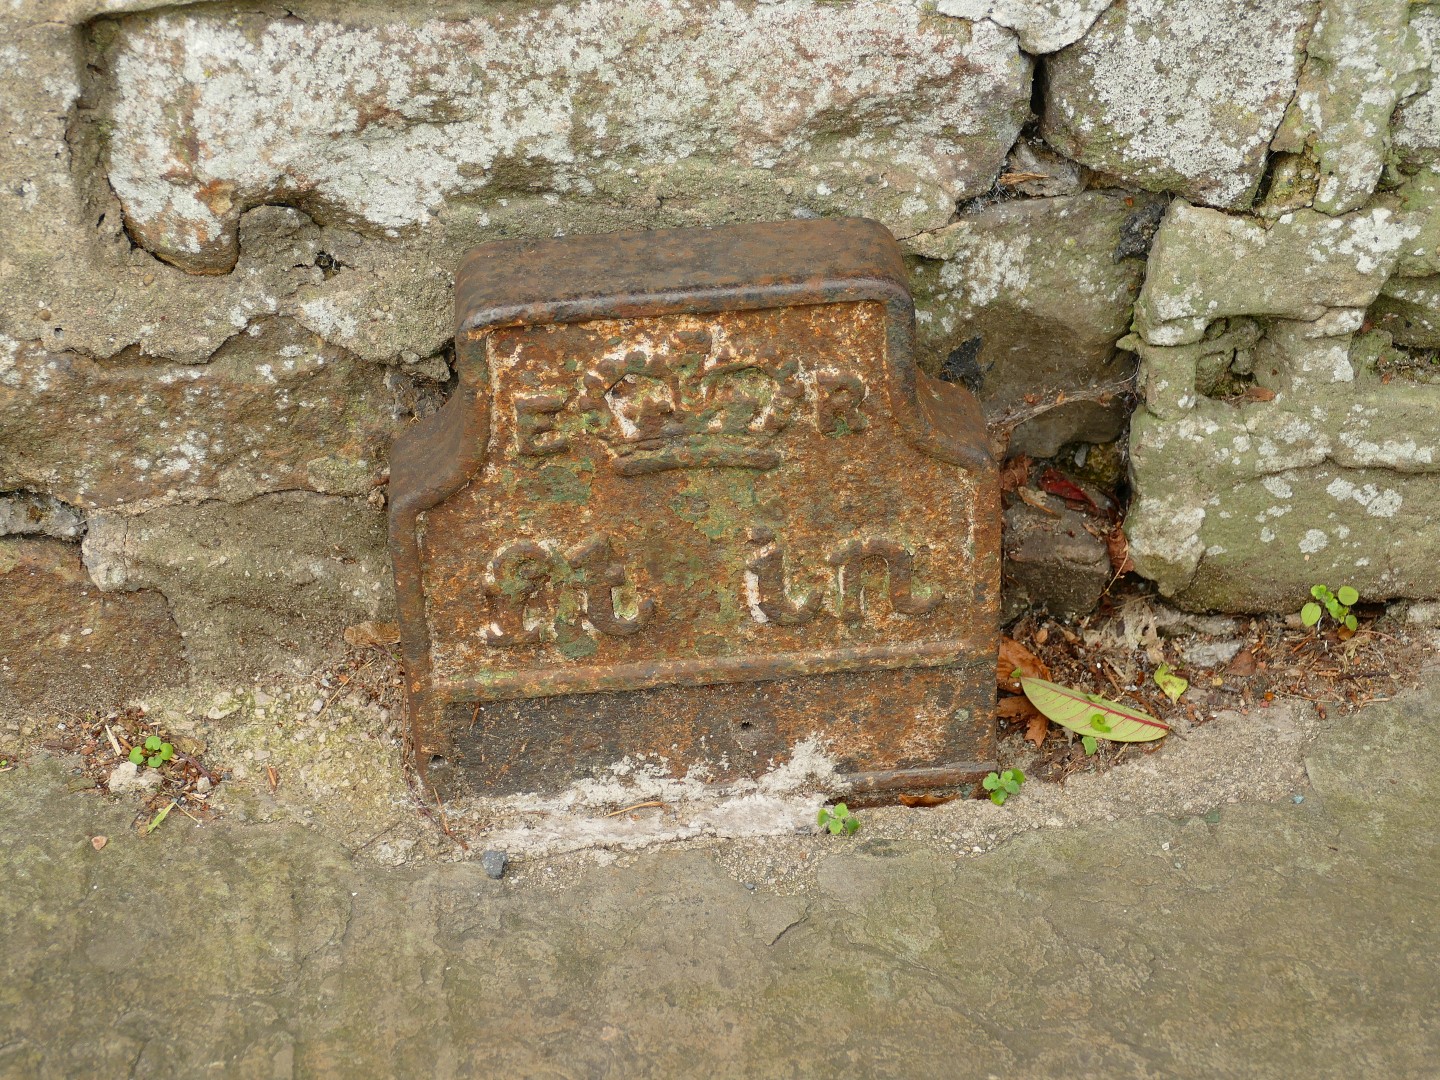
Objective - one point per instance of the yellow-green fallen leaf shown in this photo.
(1172, 684)
(1090, 714)
(158, 818)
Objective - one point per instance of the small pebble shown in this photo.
(98, 842)
(494, 864)
(1297, 799)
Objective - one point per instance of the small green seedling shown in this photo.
(1002, 785)
(1338, 604)
(154, 753)
(1090, 745)
(838, 820)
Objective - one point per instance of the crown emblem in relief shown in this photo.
(688, 401)
(691, 399)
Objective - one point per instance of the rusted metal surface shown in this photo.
(692, 501)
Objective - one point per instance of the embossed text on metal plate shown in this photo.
(692, 501)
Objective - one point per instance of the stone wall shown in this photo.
(227, 234)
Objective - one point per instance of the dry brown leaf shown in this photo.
(925, 800)
(1260, 393)
(98, 842)
(1031, 497)
(1042, 635)
(1014, 473)
(1037, 729)
(367, 634)
(1015, 708)
(1119, 549)
(1243, 663)
(1013, 655)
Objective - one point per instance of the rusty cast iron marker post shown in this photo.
(692, 500)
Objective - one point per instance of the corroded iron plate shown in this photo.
(691, 501)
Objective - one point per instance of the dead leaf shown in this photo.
(1243, 663)
(1042, 635)
(1259, 393)
(1013, 655)
(368, 634)
(1054, 482)
(98, 842)
(1015, 708)
(925, 800)
(1031, 497)
(1173, 685)
(1011, 179)
(1037, 729)
(1119, 548)
(1014, 473)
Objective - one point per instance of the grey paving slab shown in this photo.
(1263, 940)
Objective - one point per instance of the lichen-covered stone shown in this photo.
(26, 513)
(1044, 26)
(873, 108)
(1179, 95)
(275, 409)
(1408, 307)
(1035, 292)
(1206, 265)
(1416, 132)
(264, 582)
(66, 646)
(1360, 60)
(1270, 453)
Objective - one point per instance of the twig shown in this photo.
(180, 756)
(114, 742)
(1367, 632)
(637, 806)
(445, 823)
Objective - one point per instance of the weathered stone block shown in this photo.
(875, 107)
(1052, 560)
(1408, 307)
(275, 409)
(1417, 122)
(1361, 58)
(1043, 25)
(26, 513)
(1035, 293)
(66, 646)
(1179, 95)
(693, 502)
(263, 583)
(1206, 265)
(1271, 454)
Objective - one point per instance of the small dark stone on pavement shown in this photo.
(494, 864)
